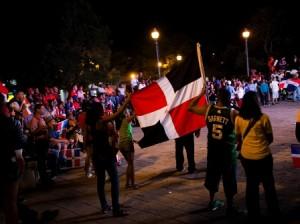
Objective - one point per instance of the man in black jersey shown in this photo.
(221, 147)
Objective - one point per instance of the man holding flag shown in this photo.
(176, 105)
(221, 148)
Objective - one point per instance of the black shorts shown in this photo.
(126, 148)
(217, 169)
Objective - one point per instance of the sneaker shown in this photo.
(181, 171)
(215, 205)
(119, 213)
(106, 209)
(89, 175)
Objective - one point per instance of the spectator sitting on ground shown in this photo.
(56, 146)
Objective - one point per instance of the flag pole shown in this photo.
(201, 64)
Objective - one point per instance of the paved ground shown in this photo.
(166, 197)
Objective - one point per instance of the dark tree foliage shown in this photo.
(81, 53)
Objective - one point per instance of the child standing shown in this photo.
(126, 147)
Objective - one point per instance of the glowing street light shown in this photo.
(155, 36)
(132, 75)
(179, 57)
(246, 35)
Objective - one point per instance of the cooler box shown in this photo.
(75, 163)
(295, 151)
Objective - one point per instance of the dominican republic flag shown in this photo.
(162, 107)
(293, 83)
(61, 126)
(295, 151)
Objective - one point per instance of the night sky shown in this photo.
(27, 26)
(200, 22)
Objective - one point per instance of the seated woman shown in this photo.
(56, 146)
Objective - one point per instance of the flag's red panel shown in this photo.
(185, 121)
(148, 100)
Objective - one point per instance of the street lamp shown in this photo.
(178, 57)
(155, 36)
(246, 35)
(132, 75)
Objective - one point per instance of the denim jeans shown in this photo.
(108, 165)
(296, 95)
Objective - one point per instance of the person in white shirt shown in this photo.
(240, 91)
(134, 83)
(122, 89)
(80, 94)
(101, 88)
(141, 84)
(253, 86)
(274, 85)
(230, 88)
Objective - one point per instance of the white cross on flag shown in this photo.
(162, 107)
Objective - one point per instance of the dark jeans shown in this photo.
(260, 171)
(53, 163)
(264, 98)
(108, 165)
(186, 142)
(41, 149)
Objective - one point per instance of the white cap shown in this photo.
(294, 71)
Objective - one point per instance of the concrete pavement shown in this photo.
(166, 196)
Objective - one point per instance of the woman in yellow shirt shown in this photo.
(256, 156)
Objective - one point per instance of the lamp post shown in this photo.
(178, 57)
(155, 36)
(246, 35)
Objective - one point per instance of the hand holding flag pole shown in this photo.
(193, 107)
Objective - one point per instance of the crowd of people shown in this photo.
(30, 129)
(99, 121)
(269, 91)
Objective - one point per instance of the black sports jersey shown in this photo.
(220, 126)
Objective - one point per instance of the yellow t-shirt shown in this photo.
(298, 116)
(255, 146)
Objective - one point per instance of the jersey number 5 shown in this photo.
(217, 131)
